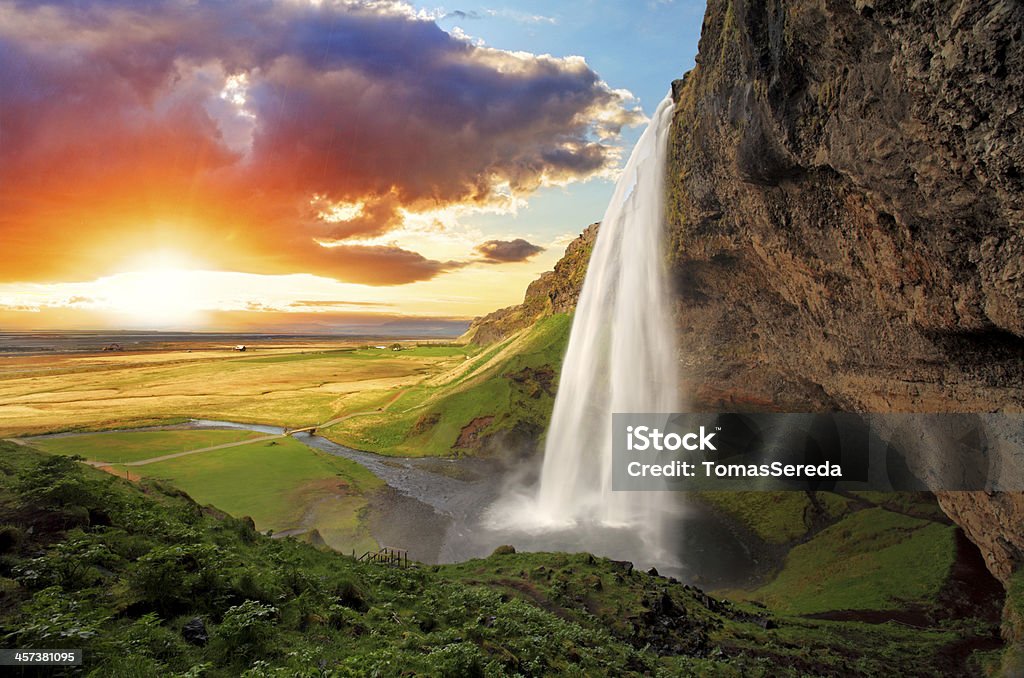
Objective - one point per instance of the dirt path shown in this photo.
(165, 457)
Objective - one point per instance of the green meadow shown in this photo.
(121, 447)
(281, 484)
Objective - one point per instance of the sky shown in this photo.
(300, 165)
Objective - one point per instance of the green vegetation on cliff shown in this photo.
(500, 396)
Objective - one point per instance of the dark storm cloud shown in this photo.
(232, 119)
(506, 251)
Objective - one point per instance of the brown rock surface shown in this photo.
(847, 216)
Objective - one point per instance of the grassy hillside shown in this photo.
(872, 560)
(149, 583)
(499, 396)
(283, 485)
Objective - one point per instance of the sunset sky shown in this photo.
(304, 165)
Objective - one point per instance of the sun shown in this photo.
(158, 289)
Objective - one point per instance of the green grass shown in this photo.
(428, 418)
(138, 445)
(281, 484)
(776, 517)
(117, 569)
(873, 559)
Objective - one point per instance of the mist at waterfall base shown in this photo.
(622, 357)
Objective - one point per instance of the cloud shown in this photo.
(375, 265)
(505, 251)
(226, 128)
(463, 15)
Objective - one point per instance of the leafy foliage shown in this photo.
(149, 561)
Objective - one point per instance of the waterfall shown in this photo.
(622, 354)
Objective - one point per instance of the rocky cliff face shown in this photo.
(847, 216)
(554, 292)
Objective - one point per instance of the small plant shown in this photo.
(246, 630)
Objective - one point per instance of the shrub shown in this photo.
(71, 564)
(53, 482)
(176, 577)
(246, 630)
(459, 660)
(148, 637)
(52, 618)
(348, 594)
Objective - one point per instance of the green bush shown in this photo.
(71, 564)
(459, 660)
(53, 482)
(54, 619)
(148, 637)
(172, 578)
(246, 630)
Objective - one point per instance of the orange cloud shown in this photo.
(228, 130)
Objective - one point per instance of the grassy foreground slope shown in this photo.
(281, 484)
(149, 583)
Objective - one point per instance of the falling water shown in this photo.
(622, 351)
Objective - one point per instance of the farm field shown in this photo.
(423, 400)
(289, 386)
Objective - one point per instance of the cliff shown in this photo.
(845, 219)
(553, 292)
(846, 213)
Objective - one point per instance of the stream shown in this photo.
(439, 510)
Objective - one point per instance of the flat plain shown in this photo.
(285, 385)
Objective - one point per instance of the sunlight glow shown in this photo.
(157, 289)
